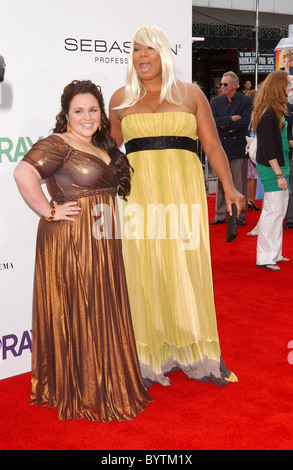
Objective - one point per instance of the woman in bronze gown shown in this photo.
(84, 359)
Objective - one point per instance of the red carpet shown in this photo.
(255, 321)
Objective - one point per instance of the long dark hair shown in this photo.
(101, 138)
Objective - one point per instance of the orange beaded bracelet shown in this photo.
(53, 212)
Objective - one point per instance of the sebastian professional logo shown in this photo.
(106, 51)
(96, 45)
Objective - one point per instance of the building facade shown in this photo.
(227, 33)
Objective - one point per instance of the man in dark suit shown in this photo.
(232, 114)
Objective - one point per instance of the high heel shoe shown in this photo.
(253, 233)
(252, 206)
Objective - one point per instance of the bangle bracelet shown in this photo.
(53, 212)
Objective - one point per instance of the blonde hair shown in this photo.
(156, 38)
(271, 94)
(287, 53)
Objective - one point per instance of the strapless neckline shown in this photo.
(157, 114)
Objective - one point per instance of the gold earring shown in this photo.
(100, 127)
(68, 126)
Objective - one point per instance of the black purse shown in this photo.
(232, 226)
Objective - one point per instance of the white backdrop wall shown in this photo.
(47, 44)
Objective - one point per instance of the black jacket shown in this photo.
(232, 134)
(269, 140)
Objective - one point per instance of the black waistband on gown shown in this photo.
(160, 143)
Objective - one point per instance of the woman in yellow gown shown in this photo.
(165, 222)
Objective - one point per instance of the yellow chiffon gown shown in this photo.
(167, 253)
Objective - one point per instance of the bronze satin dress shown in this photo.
(84, 359)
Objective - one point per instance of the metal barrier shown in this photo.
(209, 175)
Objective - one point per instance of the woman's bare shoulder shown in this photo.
(193, 94)
(117, 97)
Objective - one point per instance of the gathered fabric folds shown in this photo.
(84, 358)
(167, 253)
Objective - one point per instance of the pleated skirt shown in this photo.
(167, 258)
(84, 358)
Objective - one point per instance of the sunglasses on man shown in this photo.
(290, 84)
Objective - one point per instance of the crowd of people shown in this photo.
(268, 113)
(112, 316)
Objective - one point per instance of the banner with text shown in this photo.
(44, 46)
(246, 62)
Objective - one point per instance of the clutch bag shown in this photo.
(232, 226)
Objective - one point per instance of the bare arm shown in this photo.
(115, 116)
(208, 135)
(28, 182)
(282, 183)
